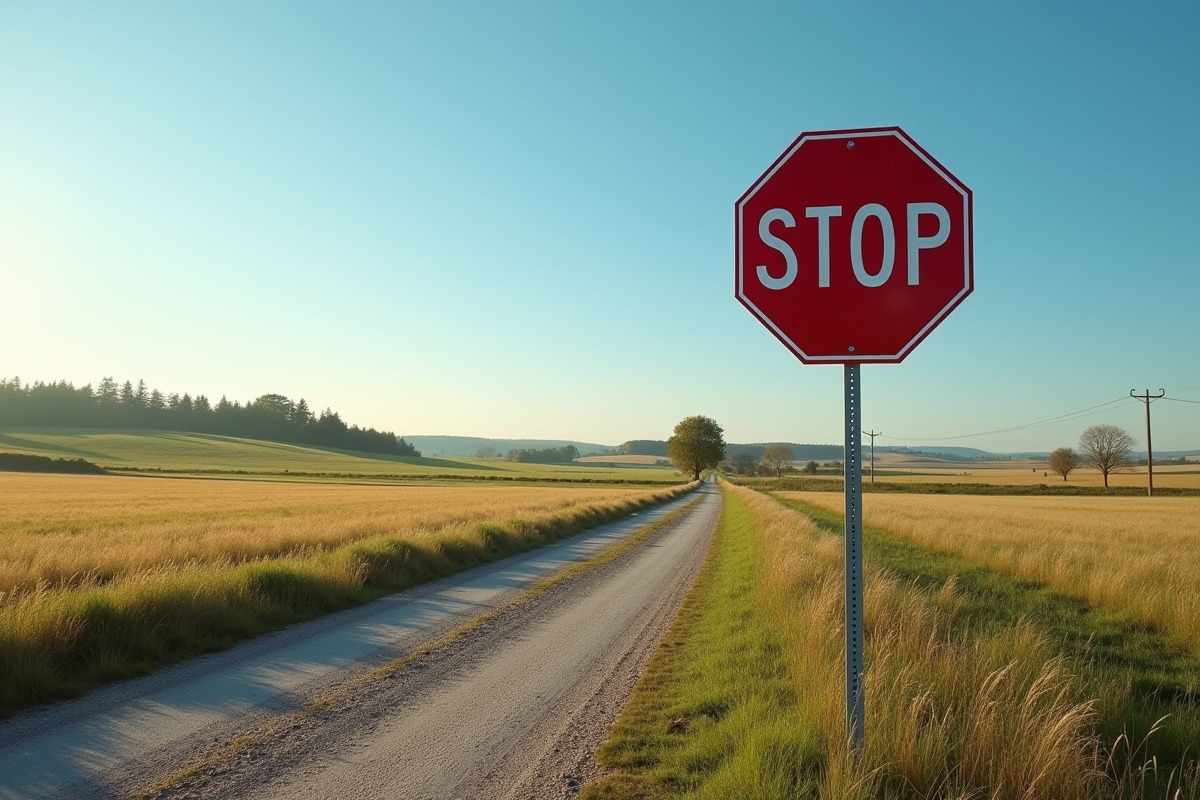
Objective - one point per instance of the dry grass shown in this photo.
(901, 468)
(109, 577)
(1139, 556)
(997, 715)
(61, 530)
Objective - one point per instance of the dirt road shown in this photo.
(513, 709)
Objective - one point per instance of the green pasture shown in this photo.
(176, 452)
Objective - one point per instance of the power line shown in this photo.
(1181, 400)
(1025, 426)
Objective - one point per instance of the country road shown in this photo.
(514, 708)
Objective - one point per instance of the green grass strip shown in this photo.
(1110, 649)
(715, 714)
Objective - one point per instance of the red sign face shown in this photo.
(853, 246)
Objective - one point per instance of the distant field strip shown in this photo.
(104, 576)
(170, 451)
(1136, 555)
(1165, 476)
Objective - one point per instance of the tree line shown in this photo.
(775, 460)
(549, 455)
(271, 417)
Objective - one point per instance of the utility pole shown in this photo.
(1147, 398)
(873, 433)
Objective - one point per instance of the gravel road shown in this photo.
(513, 709)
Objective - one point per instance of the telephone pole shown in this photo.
(873, 433)
(1147, 398)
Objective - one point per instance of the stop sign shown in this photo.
(853, 246)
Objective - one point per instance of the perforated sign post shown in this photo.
(851, 248)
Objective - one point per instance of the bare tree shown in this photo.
(776, 457)
(1105, 447)
(1063, 461)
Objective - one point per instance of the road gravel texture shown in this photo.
(515, 708)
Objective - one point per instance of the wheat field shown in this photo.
(1136, 555)
(902, 468)
(103, 577)
(996, 715)
(68, 530)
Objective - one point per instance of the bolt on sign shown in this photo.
(851, 248)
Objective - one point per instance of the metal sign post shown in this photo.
(854, 578)
(850, 249)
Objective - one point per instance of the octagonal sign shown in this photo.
(853, 246)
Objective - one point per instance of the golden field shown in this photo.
(643, 461)
(69, 530)
(103, 577)
(902, 468)
(1138, 555)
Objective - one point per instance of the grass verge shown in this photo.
(715, 715)
(56, 644)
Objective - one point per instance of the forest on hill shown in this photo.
(271, 417)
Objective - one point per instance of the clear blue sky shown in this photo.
(515, 219)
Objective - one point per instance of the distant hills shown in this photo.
(951, 453)
(471, 446)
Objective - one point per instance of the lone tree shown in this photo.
(776, 457)
(697, 445)
(1063, 460)
(1105, 447)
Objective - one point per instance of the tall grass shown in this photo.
(56, 640)
(64, 531)
(995, 715)
(952, 710)
(1136, 555)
